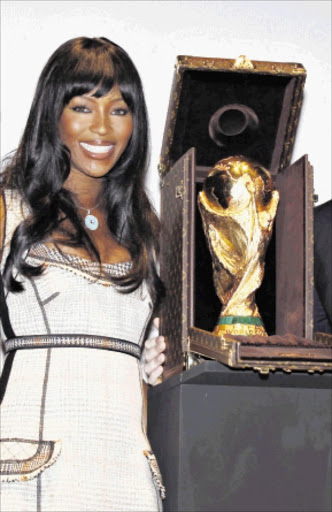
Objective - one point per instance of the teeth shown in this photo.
(96, 149)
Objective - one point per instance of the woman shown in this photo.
(78, 265)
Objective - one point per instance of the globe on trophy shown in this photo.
(238, 205)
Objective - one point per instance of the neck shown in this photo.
(85, 190)
(88, 204)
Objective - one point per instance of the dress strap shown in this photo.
(73, 340)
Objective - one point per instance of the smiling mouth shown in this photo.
(100, 149)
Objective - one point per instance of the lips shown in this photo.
(97, 150)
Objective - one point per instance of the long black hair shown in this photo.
(41, 164)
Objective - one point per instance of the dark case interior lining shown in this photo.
(204, 92)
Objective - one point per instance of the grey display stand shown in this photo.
(233, 440)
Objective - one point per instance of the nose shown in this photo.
(99, 123)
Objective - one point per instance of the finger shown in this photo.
(157, 344)
(156, 322)
(155, 375)
(150, 343)
(153, 342)
(150, 366)
(154, 351)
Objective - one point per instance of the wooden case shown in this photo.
(190, 310)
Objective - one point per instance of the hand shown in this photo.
(153, 357)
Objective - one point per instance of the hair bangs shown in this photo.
(87, 76)
(96, 65)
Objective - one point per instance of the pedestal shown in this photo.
(233, 440)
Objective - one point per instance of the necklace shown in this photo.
(90, 220)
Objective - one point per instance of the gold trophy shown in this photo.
(238, 205)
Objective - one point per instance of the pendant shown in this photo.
(91, 222)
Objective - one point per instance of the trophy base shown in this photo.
(240, 326)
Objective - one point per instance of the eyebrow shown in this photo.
(93, 98)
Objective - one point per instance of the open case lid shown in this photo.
(223, 107)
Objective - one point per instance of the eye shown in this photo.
(80, 109)
(120, 112)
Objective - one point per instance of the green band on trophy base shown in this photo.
(248, 320)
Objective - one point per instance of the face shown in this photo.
(96, 131)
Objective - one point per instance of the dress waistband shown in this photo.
(72, 340)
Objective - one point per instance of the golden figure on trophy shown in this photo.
(238, 205)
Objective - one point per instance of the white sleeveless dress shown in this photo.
(72, 418)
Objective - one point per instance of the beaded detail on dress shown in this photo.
(73, 340)
(103, 273)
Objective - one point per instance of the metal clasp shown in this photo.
(179, 191)
(242, 62)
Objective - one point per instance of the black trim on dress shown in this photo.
(4, 314)
(8, 330)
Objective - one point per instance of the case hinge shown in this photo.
(185, 343)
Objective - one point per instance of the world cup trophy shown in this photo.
(238, 205)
